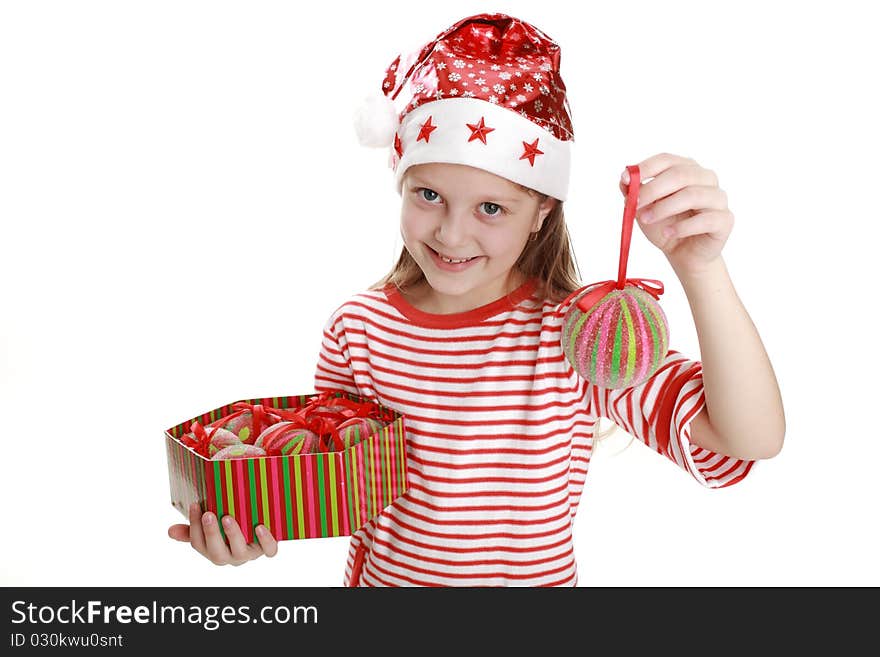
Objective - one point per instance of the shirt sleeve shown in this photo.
(334, 370)
(659, 411)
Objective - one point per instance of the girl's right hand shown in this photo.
(204, 536)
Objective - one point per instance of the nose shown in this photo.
(453, 229)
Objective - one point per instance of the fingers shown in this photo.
(179, 533)
(673, 179)
(205, 536)
(240, 550)
(695, 197)
(267, 541)
(215, 546)
(657, 164)
(717, 225)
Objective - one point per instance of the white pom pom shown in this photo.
(375, 121)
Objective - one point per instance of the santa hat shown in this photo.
(486, 93)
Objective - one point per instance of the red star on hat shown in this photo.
(479, 130)
(427, 129)
(397, 145)
(531, 151)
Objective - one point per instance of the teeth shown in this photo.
(451, 261)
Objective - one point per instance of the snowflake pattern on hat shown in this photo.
(495, 58)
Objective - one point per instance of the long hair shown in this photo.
(549, 258)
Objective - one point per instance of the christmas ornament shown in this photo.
(314, 427)
(207, 441)
(220, 439)
(487, 93)
(288, 439)
(616, 335)
(247, 422)
(355, 429)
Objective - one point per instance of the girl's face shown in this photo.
(458, 212)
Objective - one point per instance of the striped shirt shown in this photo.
(499, 431)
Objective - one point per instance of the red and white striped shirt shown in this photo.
(499, 431)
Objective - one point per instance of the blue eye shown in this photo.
(497, 209)
(424, 193)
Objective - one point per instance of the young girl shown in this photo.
(463, 336)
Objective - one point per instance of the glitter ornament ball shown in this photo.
(246, 424)
(620, 341)
(614, 334)
(354, 430)
(288, 439)
(241, 426)
(220, 438)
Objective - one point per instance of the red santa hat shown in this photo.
(486, 93)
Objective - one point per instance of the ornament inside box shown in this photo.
(355, 471)
(321, 425)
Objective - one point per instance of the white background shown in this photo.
(184, 202)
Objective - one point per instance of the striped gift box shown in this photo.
(305, 496)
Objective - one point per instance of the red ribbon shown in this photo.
(350, 408)
(325, 422)
(595, 295)
(649, 285)
(261, 418)
(322, 423)
(201, 441)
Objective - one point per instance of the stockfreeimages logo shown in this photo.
(210, 617)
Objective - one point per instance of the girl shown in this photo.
(463, 335)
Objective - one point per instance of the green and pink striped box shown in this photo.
(305, 496)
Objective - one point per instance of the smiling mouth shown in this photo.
(453, 260)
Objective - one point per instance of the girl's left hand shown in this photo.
(682, 211)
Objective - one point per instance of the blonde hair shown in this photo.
(549, 258)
